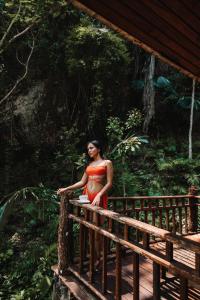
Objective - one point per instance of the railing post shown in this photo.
(183, 289)
(64, 235)
(156, 281)
(136, 276)
(193, 210)
(118, 272)
(146, 240)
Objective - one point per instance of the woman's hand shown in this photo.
(97, 200)
(61, 191)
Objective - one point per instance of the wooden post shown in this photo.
(146, 239)
(65, 231)
(126, 232)
(197, 263)
(193, 210)
(81, 245)
(183, 289)
(136, 285)
(169, 251)
(104, 265)
(118, 272)
(169, 256)
(91, 266)
(156, 281)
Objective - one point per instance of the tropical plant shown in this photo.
(123, 143)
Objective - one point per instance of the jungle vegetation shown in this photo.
(66, 79)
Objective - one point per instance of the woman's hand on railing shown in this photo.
(62, 191)
(97, 200)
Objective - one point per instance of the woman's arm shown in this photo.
(74, 186)
(107, 186)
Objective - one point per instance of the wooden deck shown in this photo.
(170, 287)
(160, 235)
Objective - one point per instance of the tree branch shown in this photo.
(10, 26)
(21, 33)
(22, 77)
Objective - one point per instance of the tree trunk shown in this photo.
(191, 119)
(149, 95)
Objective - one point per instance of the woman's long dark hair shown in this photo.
(98, 145)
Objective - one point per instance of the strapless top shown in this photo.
(96, 170)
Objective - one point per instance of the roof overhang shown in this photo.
(169, 29)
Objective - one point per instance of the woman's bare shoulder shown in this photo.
(108, 162)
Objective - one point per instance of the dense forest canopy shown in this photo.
(66, 79)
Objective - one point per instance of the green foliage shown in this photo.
(28, 254)
(114, 130)
(162, 82)
(122, 145)
(134, 120)
(185, 102)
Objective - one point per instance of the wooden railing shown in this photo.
(120, 232)
(173, 213)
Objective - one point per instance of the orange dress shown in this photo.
(96, 180)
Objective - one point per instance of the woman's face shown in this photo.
(92, 150)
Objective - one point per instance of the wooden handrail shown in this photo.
(141, 226)
(152, 197)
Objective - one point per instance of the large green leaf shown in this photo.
(185, 102)
(6, 209)
(162, 82)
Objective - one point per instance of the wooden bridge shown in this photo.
(149, 248)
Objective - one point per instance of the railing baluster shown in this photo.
(146, 239)
(133, 208)
(78, 211)
(126, 232)
(118, 272)
(167, 218)
(157, 211)
(186, 220)
(91, 266)
(136, 275)
(183, 289)
(110, 229)
(197, 263)
(86, 235)
(169, 256)
(137, 231)
(153, 218)
(146, 216)
(81, 247)
(104, 265)
(180, 220)
(169, 251)
(156, 281)
(173, 219)
(160, 217)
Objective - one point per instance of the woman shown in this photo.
(97, 178)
